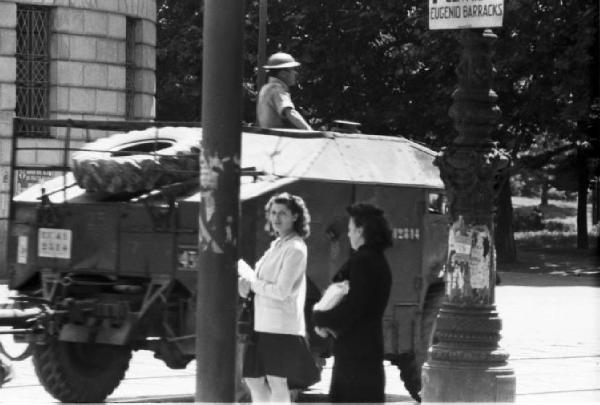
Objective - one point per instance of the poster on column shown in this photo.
(457, 14)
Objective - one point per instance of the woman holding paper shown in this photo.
(280, 355)
(356, 321)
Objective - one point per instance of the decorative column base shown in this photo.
(467, 364)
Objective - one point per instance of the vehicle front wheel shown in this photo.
(80, 372)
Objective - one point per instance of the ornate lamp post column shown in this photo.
(467, 364)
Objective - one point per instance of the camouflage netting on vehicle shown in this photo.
(138, 161)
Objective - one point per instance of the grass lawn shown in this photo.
(553, 249)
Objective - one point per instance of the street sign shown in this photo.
(456, 14)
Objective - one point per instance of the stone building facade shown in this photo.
(78, 59)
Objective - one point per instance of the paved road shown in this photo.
(551, 329)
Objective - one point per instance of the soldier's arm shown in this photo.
(296, 119)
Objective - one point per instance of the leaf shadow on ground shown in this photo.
(567, 266)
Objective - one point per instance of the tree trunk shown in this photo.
(544, 197)
(582, 189)
(504, 236)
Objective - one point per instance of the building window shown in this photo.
(33, 38)
(130, 68)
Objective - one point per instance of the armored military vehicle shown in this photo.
(103, 260)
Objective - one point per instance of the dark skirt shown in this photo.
(357, 380)
(280, 355)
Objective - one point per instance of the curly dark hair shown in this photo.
(376, 230)
(297, 206)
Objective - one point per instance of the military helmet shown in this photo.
(281, 60)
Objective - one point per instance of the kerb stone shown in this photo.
(95, 75)
(59, 46)
(8, 69)
(82, 100)
(146, 32)
(6, 127)
(106, 101)
(82, 48)
(8, 41)
(116, 77)
(107, 50)
(68, 73)
(8, 96)
(68, 20)
(145, 81)
(117, 26)
(59, 98)
(145, 56)
(95, 23)
(8, 15)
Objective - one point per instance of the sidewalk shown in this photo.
(551, 330)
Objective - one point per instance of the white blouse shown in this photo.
(280, 287)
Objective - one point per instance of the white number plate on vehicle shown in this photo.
(54, 243)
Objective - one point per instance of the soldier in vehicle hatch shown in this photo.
(274, 108)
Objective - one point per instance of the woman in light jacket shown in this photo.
(280, 355)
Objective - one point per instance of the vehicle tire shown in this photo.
(80, 372)
(411, 364)
(138, 161)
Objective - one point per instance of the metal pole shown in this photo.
(467, 364)
(219, 206)
(262, 43)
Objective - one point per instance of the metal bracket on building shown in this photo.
(47, 214)
(162, 216)
(156, 290)
(50, 282)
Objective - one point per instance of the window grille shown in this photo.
(33, 38)
(130, 68)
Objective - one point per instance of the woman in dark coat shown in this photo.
(358, 374)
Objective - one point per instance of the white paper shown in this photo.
(245, 271)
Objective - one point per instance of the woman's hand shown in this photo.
(245, 271)
(243, 287)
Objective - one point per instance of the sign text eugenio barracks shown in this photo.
(456, 14)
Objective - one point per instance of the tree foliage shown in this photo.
(377, 62)
(179, 60)
(547, 62)
(543, 60)
(374, 62)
